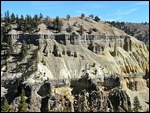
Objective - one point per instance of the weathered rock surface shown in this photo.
(102, 71)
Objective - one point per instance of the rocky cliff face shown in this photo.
(80, 73)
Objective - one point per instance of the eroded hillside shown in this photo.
(63, 70)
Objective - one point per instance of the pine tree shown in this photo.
(82, 15)
(25, 25)
(41, 16)
(22, 18)
(2, 36)
(90, 30)
(57, 24)
(35, 57)
(97, 18)
(137, 107)
(68, 17)
(23, 105)
(6, 64)
(10, 45)
(91, 16)
(12, 17)
(5, 107)
(8, 52)
(35, 54)
(17, 19)
(23, 50)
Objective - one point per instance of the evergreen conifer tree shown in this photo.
(136, 105)
(23, 105)
(6, 107)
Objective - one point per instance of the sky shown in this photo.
(122, 11)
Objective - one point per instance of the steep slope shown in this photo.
(138, 30)
(107, 56)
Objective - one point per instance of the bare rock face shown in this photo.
(127, 43)
(56, 51)
(96, 48)
(15, 104)
(35, 103)
(44, 90)
(111, 81)
(120, 100)
(137, 84)
(61, 39)
(82, 72)
(147, 83)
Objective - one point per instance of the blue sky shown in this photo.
(127, 11)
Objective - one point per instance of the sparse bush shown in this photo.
(90, 30)
(81, 30)
(137, 107)
(82, 15)
(59, 55)
(17, 67)
(75, 54)
(57, 24)
(63, 52)
(91, 16)
(8, 52)
(23, 51)
(94, 64)
(68, 17)
(95, 30)
(68, 52)
(5, 107)
(35, 54)
(97, 19)
(48, 22)
(43, 62)
(6, 64)
(23, 105)
(75, 24)
(41, 16)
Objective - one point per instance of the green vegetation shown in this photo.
(57, 24)
(35, 54)
(137, 107)
(23, 105)
(68, 17)
(10, 44)
(35, 58)
(91, 16)
(138, 30)
(43, 62)
(23, 52)
(81, 30)
(97, 19)
(75, 54)
(26, 24)
(8, 51)
(5, 107)
(82, 15)
(17, 67)
(90, 31)
(6, 64)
